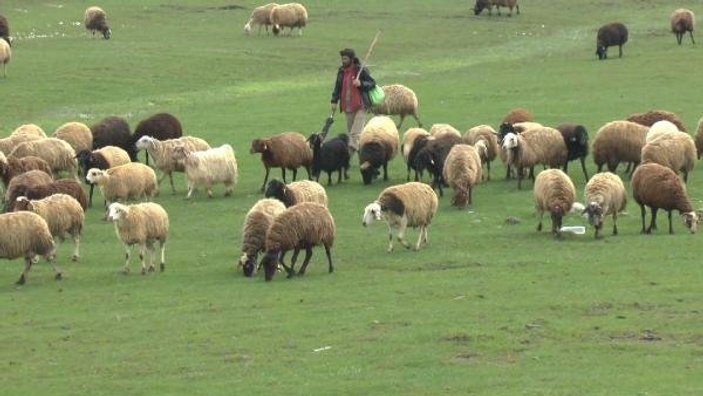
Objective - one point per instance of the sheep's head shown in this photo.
(504, 129)
(690, 219)
(461, 197)
(247, 27)
(510, 141)
(258, 146)
(116, 211)
(480, 5)
(276, 29)
(482, 148)
(557, 214)
(594, 213)
(94, 175)
(372, 212)
(368, 172)
(270, 264)
(23, 203)
(315, 140)
(107, 32)
(602, 52)
(145, 142)
(248, 264)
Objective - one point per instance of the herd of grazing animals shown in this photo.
(42, 208)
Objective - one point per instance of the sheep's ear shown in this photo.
(265, 147)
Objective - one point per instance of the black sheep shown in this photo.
(419, 143)
(608, 35)
(576, 139)
(5, 30)
(373, 155)
(111, 131)
(329, 156)
(161, 126)
(432, 157)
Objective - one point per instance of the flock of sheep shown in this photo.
(42, 209)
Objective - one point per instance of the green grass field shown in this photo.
(487, 308)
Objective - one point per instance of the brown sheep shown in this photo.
(287, 150)
(608, 35)
(618, 141)
(518, 115)
(682, 21)
(38, 191)
(11, 167)
(648, 118)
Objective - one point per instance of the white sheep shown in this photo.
(412, 204)
(291, 15)
(604, 195)
(660, 128)
(536, 146)
(462, 171)
(205, 168)
(399, 100)
(26, 234)
(77, 134)
(56, 152)
(256, 223)
(5, 56)
(676, 151)
(62, 213)
(143, 224)
(124, 182)
(554, 192)
(161, 152)
(260, 16)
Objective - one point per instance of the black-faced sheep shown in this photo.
(291, 15)
(432, 157)
(208, 167)
(412, 204)
(485, 139)
(378, 145)
(5, 29)
(103, 158)
(287, 150)
(618, 141)
(301, 226)
(412, 163)
(699, 138)
(676, 151)
(124, 182)
(330, 156)
(26, 234)
(11, 167)
(296, 192)
(462, 171)
(5, 56)
(399, 100)
(256, 223)
(409, 138)
(483, 4)
(614, 33)
(160, 126)
(161, 152)
(260, 16)
(77, 134)
(62, 213)
(659, 187)
(537, 146)
(39, 191)
(111, 131)
(604, 195)
(682, 21)
(576, 139)
(648, 118)
(143, 224)
(95, 19)
(554, 192)
(56, 152)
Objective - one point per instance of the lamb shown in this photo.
(77, 134)
(399, 100)
(205, 168)
(412, 160)
(5, 56)
(576, 140)
(11, 167)
(409, 138)
(296, 192)
(676, 151)
(111, 131)
(618, 141)
(160, 126)
(124, 182)
(439, 130)
(554, 192)
(5, 30)
(256, 223)
(604, 195)
(103, 158)
(287, 150)
(27, 235)
(699, 138)
(95, 19)
(29, 178)
(38, 191)
(302, 226)
(648, 118)
(614, 33)
(659, 187)
(291, 15)
(682, 21)
(56, 152)
(518, 114)
(462, 171)
(412, 204)
(162, 153)
(485, 139)
(63, 214)
(260, 16)
(483, 4)
(432, 158)
(536, 146)
(660, 128)
(330, 156)
(378, 144)
(143, 224)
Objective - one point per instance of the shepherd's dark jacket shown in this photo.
(367, 83)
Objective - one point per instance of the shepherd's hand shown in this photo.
(356, 82)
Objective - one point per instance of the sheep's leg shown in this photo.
(488, 166)
(329, 178)
(266, 178)
(295, 173)
(653, 224)
(583, 166)
(519, 179)
(27, 266)
(420, 238)
(401, 232)
(162, 266)
(209, 190)
(90, 200)
(408, 177)
(339, 179)
(147, 157)
(128, 252)
(190, 191)
(385, 170)
(402, 117)
(329, 258)
(170, 179)
(51, 258)
(643, 213)
(76, 246)
(308, 255)
(229, 188)
(685, 176)
(142, 253)
(417, 119)
(690, 32)
(620, 50)
(283, 173)
(671, 229)
(307, 169)
(291, 270)
(390, 238)
(539, 225)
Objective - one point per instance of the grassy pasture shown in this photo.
(486, 308)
